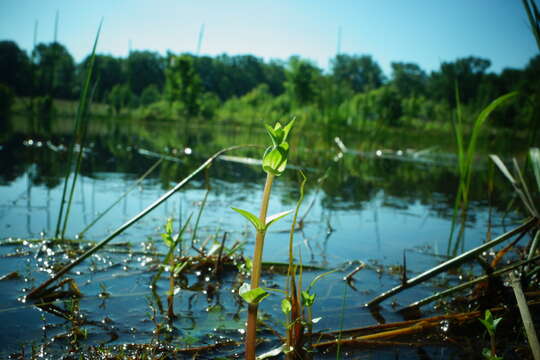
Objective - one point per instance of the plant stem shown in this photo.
(256, 271)
(170, 297)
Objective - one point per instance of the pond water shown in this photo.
(372, 197)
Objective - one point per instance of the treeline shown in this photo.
(245, 88)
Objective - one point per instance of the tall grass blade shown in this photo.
(526, 192)
(81, 110)
(465, 163)
(534, 19)
(82, 141)
(203, 204)
(526, 199)
(480, 120)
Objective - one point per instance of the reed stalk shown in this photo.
(456, 261)
(80, 123)
(467, 284)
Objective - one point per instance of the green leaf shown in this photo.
(286, 306)
(273, 135)
(275, 161)
(167, 239)
(252, 218)
(487, 325)
(169, 226)
(272, 219)
(249, 264)
(307, 298)
(253, 296)
(287, 129)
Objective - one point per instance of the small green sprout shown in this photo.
(491, 326)
(275, 156)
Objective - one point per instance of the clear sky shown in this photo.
(426, 32)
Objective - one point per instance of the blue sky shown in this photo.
(426, 32)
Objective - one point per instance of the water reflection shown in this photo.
(363, 203)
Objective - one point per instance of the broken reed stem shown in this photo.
(458, 260)
(37, 291)
(525, 316)
(349, 276)
(251, 335)
(467, 284)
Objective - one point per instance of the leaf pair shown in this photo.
(257, 223)
(490, 323)
(252, 296)
(275, 157)
(279, 134)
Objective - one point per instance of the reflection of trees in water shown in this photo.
(352, 182)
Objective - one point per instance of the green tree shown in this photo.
(108, 71)
(149, 95)
(119, 97)
(55, 71)
(15, 68)
(302, 76)
(468, 73)
(183, 84)
(409, 79)
(144, 68)
(360, 73)
(6, 101)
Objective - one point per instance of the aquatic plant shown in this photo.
(466, 152)
(81, 123)
(274, 163)
(174, 268)
(297, 305)
(490, 323)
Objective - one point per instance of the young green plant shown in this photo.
(274, 164)
(170, 262)
(490, 324)
(465, 156)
